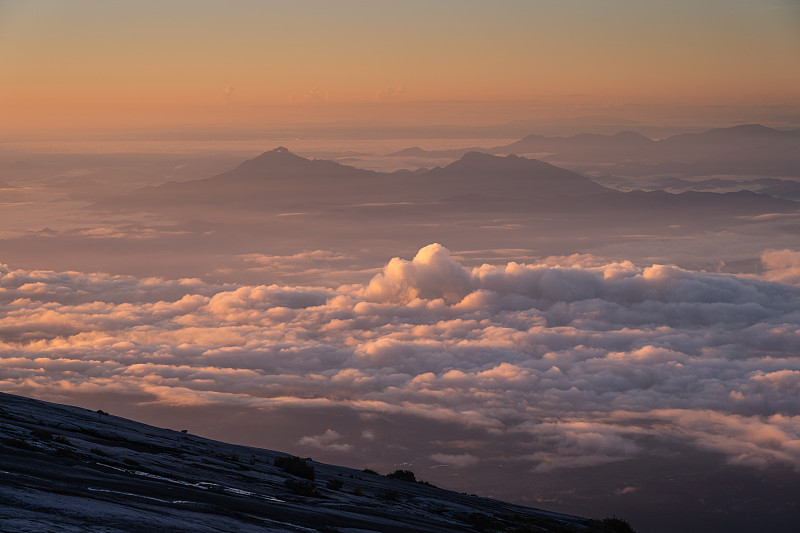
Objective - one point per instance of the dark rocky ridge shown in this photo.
(66, 468)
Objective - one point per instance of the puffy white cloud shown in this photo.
(781, 265)
(328, 440)
(430, 275)
(578, 362)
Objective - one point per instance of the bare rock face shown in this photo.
(66, 468)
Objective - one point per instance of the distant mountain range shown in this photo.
(280, 180)
(744, 149)
(70, 469)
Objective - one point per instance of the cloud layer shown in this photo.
(586, 361)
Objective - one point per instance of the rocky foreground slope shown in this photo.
(66, 468)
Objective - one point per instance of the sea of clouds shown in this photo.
(585, 359)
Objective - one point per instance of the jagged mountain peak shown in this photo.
(281, 162)
(280, 154)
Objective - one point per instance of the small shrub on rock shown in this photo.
(389, 495)
(296, 467)
(618, 525)
(302, 487)
(403, 475)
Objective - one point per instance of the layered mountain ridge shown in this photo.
(282, 180)
(739, 150)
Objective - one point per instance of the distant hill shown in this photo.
(510, 177)
(744, 149)
(277, 178)
(587, 144)
(70, 469)
(607, 146)
(416, 151)
(280, 181)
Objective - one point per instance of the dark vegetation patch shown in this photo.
(295, 466)
(617, 525)
(403, 475)
(407, 475)
(302, 487)
(66, 452)
(42, 434)
(20, 444)
(389, 495)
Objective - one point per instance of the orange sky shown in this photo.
(84, 64)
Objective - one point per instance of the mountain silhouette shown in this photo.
(280, 181)
(744, 149)
(278, 178)
(281, 164)
(609, 146)
(510, 176)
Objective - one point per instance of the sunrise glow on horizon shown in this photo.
(90, 64)
(545, 252)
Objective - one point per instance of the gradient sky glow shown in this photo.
(598, 324)
(87, 63)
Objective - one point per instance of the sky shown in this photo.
(630, 353)
(89, 64)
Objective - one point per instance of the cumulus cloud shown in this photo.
(328, 440)
(578, 362)
(781, 265)
(430, 275)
